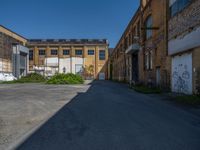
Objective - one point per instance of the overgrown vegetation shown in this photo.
(188, 99)
(198, 81)
(146, 90)
(66, 79)
(30, 78)
(56, 79)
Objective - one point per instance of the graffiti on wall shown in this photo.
(182, 74)
(181, 83)
(198, 81)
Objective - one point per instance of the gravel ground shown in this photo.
(25, 106)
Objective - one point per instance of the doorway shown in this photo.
(135, 68)
(158, 77)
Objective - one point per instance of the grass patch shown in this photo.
(30, 78)
(66, 79)
(188, 99)
(147, 90)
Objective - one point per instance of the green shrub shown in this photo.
(30, 78)
(66, 79)
(188, 99)
(33, 77)
(146, 90)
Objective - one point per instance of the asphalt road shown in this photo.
(109, 116)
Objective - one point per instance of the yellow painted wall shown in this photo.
(99, 65)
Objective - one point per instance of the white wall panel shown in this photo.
(1, 65)
(65, 63)
(76, 61)
(71, 64)
(189, 41)
(182, 74)
(51, 61)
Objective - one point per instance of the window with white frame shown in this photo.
(149, 60)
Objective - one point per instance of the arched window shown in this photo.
(149, 25)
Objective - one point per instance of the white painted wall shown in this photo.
(51, 61)
(102, 76)
(1, 65)
(72, 65)
(189, 41)
(65, 63)
(76, 61)
(182, 74)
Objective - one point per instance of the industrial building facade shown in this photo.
(19, 56)
(85, 57)
(125, 57)
(141, 54)
(13, 53)
(156, 62)
(184, 45)
(160, 46)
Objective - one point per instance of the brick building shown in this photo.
(125, 58)
(141, 55)
(86, 57)
(13, 53)
(156, 63)
(184, 45)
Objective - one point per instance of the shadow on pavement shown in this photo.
(63, 129)
(109, 116)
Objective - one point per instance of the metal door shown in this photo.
(182, 74)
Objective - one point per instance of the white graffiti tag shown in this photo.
(181, 79)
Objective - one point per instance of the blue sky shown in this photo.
(68, 18)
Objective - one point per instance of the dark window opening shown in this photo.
(54, 52)
(90, 52)
(102, 55)
(79, 52)
(66, 52)
(42, 52)
(30, 54)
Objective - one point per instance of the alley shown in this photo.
(110, 116)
